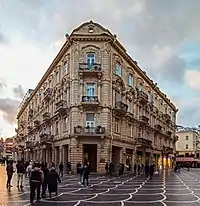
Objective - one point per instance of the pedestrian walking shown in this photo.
(20, 173)
(28, 169)
(61, 167)
(79, 171)
(44, 184)
(86, 172)
(52, 181)
(36, 179)
(151, 171)
(10, 171)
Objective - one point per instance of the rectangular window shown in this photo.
(57, 130)
(130, 130)
(130, 80)
(90, 90)
(90, 120)
(139, 87)
(118, 70)
(65, 124)
(186, 146)
(90, 59)
(65, 67)
(150, 97)
(117, 125)
(186, 138)
(130, 108)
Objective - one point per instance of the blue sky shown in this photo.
(163, 36)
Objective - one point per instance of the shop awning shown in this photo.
(187, 159)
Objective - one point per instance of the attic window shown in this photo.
(91, 30)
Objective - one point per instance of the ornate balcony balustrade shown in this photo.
(89, 131)
(61, 106)
(46, 138)
(90, 100)
(142, 142)
(29, 144)
(90, 69)
(143, 97)
(48, 94)
(121, 107)
(46, 116)
(169, 133)
(143, 119)
(36, 123)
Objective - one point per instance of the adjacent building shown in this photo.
(187, 146)
(94, 103)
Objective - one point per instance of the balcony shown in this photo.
(46, 138)
(36, 123)
(90, 69)
(29, 128)
(48, 94)
(121, 107)
(144, 120)
(158, 127)
(46, 116)
(168, 150)
(29, 144)
(61, 106)
(90, 100)
(142, 97)
(89, 131)
(142, 142)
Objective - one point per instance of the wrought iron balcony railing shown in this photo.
(95, 131)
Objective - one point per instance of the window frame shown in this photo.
(130, 77)
(118, 72)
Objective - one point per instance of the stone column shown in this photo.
(99, 91)
(133, 158)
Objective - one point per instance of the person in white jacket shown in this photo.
(29, 168)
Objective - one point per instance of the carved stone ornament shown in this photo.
(119, 82)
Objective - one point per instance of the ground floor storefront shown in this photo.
(98, 152)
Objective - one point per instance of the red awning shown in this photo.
(187, 159)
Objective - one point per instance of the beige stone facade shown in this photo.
(94, 103)
(188, 143)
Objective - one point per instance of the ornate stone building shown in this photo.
(94, 103)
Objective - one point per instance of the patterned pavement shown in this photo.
(169, 188)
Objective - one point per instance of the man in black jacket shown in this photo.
(36, 179)
(86, 172)
(20, 173)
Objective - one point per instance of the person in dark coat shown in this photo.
(61, 167)
(44, 184)
(86, 172)
(146, 170)
(36, 179)
(10, 171)
(52, 181)
(151, 171)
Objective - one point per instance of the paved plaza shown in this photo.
(169, 188)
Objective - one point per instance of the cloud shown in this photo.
(2, 85)
(19, 92)
(3, 39)
(192, 78)
(8, 108)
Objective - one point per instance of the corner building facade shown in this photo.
(94, 103)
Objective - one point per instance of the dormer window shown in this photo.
(130, 80)
(118, 71)
(90, 59)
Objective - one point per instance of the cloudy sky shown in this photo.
(163, 36)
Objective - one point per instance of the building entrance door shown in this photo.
(90, 155)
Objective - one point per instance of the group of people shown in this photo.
(39, 176)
